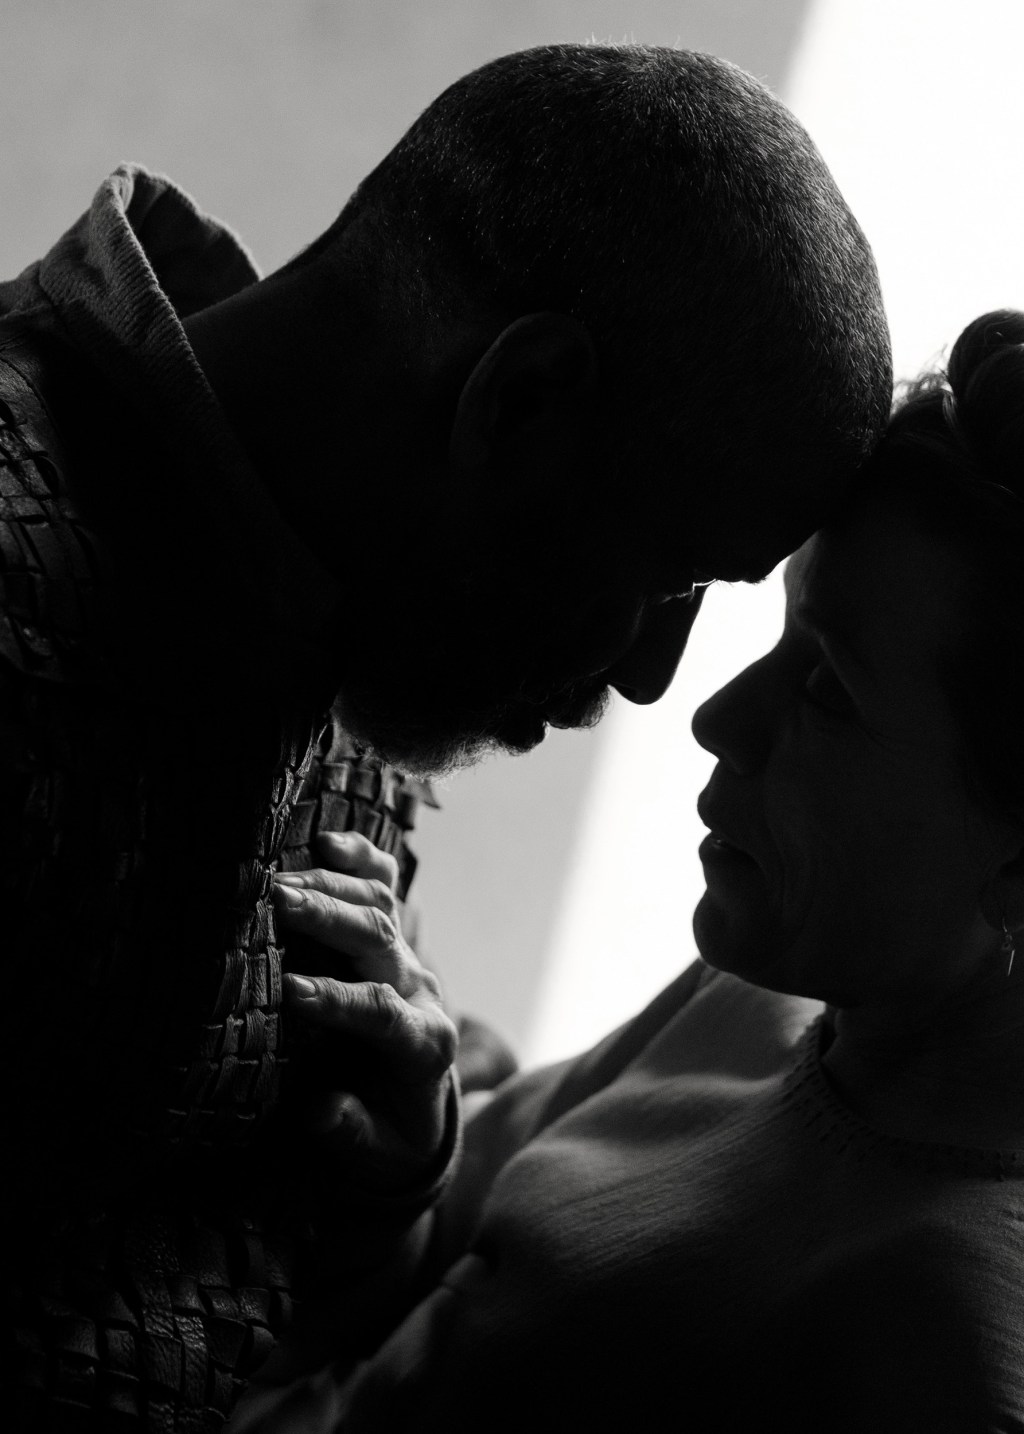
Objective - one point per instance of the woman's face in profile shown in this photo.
(848, 853)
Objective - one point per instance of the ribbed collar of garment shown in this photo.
(810, 1092)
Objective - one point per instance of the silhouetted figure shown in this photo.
(598, 330)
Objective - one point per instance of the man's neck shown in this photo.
(289, 380)
(271, 346)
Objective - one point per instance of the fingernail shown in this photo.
(288, 878)
(301, 985)
(290, 895)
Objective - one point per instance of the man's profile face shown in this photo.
(518, 603)
(485, 644)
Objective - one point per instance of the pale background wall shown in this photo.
(270, 111)
(558, 888)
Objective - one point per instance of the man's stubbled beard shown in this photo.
(440, 742)
(472, 661)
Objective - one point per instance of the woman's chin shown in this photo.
(757, 956)
(723, 938)
(733, 938)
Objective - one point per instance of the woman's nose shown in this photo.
(734, 724)
(643, 673)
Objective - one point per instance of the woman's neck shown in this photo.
(950, 1074)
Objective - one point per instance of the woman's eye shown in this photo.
(824, 690)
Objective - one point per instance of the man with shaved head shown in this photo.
(599, 330)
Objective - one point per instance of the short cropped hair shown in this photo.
(672, 204)
(955, 444)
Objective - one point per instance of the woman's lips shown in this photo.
(716, 850)
(719, 848)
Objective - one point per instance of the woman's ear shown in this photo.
(1003, 896)
(530, 398)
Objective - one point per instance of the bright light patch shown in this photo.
(624, 927)
(918, 108)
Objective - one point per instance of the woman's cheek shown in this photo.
(811, 840)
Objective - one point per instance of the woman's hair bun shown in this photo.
(986, 375)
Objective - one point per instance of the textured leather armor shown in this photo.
(152, 1237)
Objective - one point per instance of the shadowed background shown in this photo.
(557, 888)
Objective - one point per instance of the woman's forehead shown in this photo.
(880, 573)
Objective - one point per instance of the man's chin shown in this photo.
(433, 755)
(444, 757)
(519, 731)
(518, 728)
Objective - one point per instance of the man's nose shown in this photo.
(643, 673)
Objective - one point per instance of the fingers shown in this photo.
(360, 891)
(418, 1037)
(316, 1401)
(355, 854)
(350, 1129)
(386, 1150)
(369, 937)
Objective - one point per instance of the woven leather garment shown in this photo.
(152, 1244)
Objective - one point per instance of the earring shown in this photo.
(1008, 947)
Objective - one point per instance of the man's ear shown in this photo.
(530, 396)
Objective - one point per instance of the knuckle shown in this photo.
(437, 1055)
(447, 1042)
(330, 1004)
(430, 983)
(382, 928)
(334, 995)
(318, 906)
(433, 1044)
(390, 864)
(383, 897)
(358, 848)
(388, 1007)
